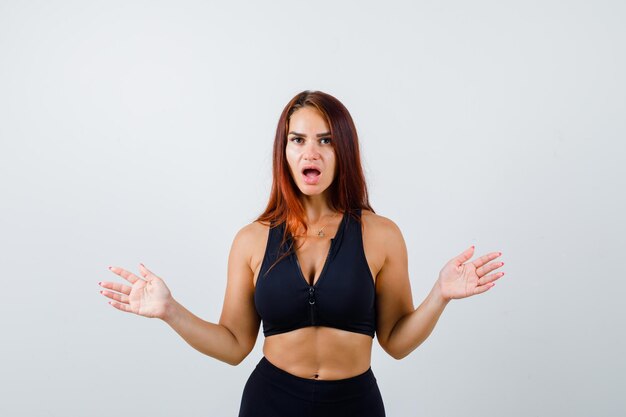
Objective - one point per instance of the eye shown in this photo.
(328, 139)
(294, 139)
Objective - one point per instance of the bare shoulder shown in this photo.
(252, 230)
(379, 226)
(252, 235)
(381, 237)
(250, 242)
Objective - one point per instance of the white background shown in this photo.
(142, 132)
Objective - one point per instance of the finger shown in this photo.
(146, 273)
(485, 269)
(121, 306)
(490, 278)
(128, 276)
(485, 258)
(115, 296)
(482, 288)
(116, 286)
(463, 256)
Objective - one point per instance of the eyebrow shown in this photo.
(301, 134)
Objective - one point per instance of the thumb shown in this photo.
(464, 256)
(146, 273)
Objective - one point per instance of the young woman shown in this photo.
(321, 271)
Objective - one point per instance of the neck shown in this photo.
(316, 209)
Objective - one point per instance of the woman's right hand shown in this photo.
(148, 296)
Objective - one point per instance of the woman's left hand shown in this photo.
(459, 280)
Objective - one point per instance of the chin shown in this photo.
(311, 193)
(308, 190)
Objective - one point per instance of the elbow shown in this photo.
(393, 353)
(396, 355)
(236, 360)
(399, 356)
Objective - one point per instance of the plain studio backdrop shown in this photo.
(142, 132)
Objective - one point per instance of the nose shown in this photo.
(311, 156)
(311, 152)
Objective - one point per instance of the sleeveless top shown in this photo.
(344, 296)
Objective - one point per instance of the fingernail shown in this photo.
(100, 283)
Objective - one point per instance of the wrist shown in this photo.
(171, 311)
(438, 294)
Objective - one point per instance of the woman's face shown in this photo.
(309, 151)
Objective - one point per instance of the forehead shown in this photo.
(308, 120)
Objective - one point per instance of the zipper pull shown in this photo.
(312, 302)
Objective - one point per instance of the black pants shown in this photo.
(273, 392)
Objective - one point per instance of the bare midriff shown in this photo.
(322, 353)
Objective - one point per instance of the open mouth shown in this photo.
(311, 172)
(311, 176)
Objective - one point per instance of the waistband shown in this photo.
(327, 391)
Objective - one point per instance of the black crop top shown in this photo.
(343, 297)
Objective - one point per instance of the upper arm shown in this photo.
(393, 288)
(238, 312)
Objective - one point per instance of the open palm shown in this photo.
(148, 296)
(460, 279)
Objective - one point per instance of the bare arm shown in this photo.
(229, 341)
(209, 338)
(232, 339)
(412, 329)
(457, 279)
(402, 328)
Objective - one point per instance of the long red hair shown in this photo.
(348, 190)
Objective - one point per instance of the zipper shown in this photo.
(332, 242)
(312, 304)
(312, 287)
(311, 292)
